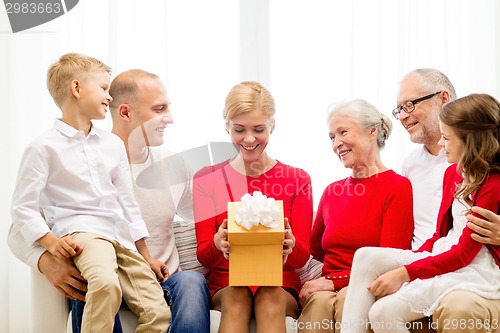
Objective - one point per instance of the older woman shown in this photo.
(249, 116)
(371, 207)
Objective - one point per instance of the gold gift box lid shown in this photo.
(258, 234)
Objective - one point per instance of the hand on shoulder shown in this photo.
(486, 230)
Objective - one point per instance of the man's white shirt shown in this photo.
(425, 172)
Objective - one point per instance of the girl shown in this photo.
(415, 282)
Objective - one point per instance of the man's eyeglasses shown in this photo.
(409, 106)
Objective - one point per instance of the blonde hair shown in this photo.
(248, 96)
(366, 114)
(475, 119)
(69, 67)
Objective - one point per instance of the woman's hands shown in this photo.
(222, 244)
(220, 240)
(288, 242)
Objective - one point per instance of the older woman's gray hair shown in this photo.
(366, 114)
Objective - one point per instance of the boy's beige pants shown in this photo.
(113, 271)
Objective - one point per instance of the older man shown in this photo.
(423, 93)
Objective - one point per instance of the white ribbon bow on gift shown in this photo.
(257, 209)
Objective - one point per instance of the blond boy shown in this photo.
(74, 197)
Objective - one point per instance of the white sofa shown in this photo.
(51, 312)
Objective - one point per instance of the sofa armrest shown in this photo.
(50, 308)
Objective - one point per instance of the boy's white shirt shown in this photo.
(158, 207)
(80, 183)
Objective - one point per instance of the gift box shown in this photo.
(256, 257)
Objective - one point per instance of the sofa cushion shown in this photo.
(185, 240)
(311, 270)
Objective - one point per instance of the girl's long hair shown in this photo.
(475, 120)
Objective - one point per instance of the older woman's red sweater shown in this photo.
(353, 213)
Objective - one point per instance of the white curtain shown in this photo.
(324, 51)
(308, 52)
